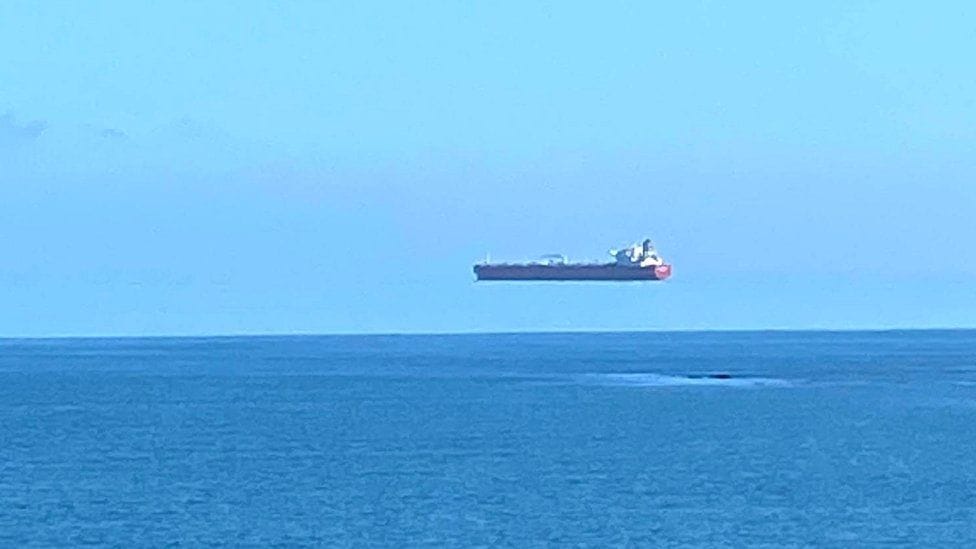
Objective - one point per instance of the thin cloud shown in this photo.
(14, 133)
(112, 133)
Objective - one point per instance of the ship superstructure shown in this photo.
(639, 261)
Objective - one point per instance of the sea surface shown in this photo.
(854, 439)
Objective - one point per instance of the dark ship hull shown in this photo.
(568, 272)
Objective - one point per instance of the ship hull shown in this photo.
(564, 272)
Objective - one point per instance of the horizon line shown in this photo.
(258, 335)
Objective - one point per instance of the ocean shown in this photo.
(843, 439)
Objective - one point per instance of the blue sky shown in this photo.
(314, 167)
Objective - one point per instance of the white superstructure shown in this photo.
(638, 255)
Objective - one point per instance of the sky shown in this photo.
(195, 168)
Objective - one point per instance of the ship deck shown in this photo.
(568, 272)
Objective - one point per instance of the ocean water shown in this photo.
(818, 439)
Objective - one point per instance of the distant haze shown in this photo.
(185, 168)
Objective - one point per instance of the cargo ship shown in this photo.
(636, 262)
